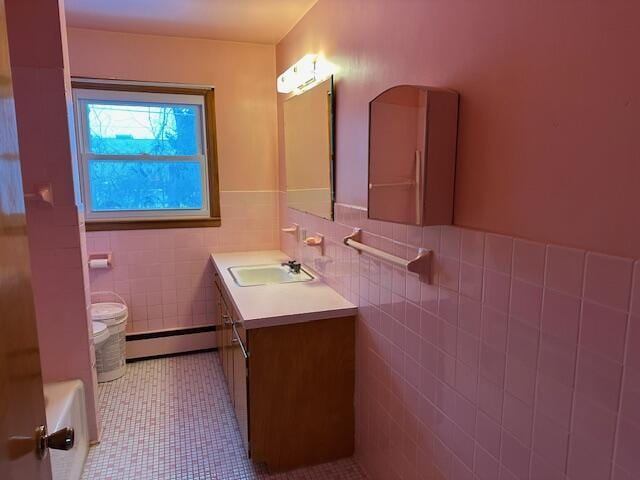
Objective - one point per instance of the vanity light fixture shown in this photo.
(305, 73)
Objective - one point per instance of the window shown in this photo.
(147, 155)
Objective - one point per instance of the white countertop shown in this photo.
(278, 304)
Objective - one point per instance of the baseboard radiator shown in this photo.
(164, 343)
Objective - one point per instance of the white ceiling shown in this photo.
(260, 21)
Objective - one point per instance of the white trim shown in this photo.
(146, 158)
(119, 96)
(114, 81)
(82, 96)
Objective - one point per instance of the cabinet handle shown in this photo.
(419, 187)
(236, 340)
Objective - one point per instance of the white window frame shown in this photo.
(83, 96)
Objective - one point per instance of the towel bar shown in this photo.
(420, 265)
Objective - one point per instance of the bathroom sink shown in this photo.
(249, 276)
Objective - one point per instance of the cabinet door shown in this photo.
(217, 292)
(225, 335)
(240, 357)
(301, 390)
(227, 349)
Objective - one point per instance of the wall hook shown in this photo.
(43, 193)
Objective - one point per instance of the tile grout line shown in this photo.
(623, 381)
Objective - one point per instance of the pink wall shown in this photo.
(547, 143)
(165, 275)
(243, 75)
(37, 42)
(521, 361)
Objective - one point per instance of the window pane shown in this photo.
(137, 129)
(134, 185)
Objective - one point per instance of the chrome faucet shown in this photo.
(293, 266)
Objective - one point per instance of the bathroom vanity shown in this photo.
(287, 348)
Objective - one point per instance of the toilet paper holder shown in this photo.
(100, 260)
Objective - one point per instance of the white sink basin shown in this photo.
(250, 276)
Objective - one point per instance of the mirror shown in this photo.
(308, 144)
(412, 150)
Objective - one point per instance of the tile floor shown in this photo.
(172, 419)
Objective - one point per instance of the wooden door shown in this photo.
(21, 397)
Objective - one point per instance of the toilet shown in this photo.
(100, 334)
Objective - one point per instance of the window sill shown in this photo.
(151, 224)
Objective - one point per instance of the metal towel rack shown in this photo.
(420, 265)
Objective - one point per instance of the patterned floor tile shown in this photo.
(172, 419)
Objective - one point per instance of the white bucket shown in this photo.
(111, 356)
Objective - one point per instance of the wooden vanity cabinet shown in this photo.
(301, 386)
(292, 387)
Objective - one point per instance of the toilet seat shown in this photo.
(100, 333)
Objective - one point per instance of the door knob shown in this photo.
(62, 439)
